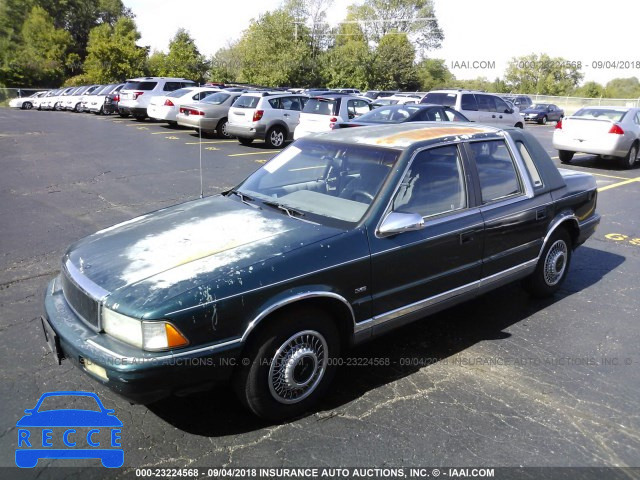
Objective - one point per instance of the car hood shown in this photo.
(170, 251)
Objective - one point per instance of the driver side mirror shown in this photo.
(509, 111)
(400, 222)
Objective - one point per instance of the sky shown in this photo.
(482, 34)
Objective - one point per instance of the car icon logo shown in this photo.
(89, 432)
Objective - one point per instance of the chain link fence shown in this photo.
(571, 104)
(7, 94)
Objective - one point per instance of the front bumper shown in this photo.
(137, 375)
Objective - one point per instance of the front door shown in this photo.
(414, 270)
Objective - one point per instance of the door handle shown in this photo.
(493, 116)
(467, 237)
(541, 214)
(287, 115)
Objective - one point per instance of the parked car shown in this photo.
(209, 115)
(166, 107)
(26, 103)
(542, 113)
(611, 132)
(478, 107)
(73, 101)
(50, 100)
(353, 91)
(325, 246)
(268, 116)
(137, 92)
(405, 113)
(105, 101)
(324, 112)
(520, 101)
(394, 100)
(59, 101)
(374, 94)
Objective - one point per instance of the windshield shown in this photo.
(601, 113)
(69, 402)
(326, 182)
(539, 106)
(391, 114)
(216, 98)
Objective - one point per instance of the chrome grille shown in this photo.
(81, 302)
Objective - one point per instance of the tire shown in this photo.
(290, 364)
(123, 114)
(221, 129)
(139, 118)
(27, 106)
(275, 137)
(552, 266)
(544, 120)
(519, 125)
(565, 156)
(77, 108)
(631, 158)
(245, 141)
(172, 124)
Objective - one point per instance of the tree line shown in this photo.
(380, 44)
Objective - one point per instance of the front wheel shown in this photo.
(632, 157)
(552, 266)
(544, 120)
(519, 125)
(290, 364)
(565, 156)
(275, 137)
(27, 105)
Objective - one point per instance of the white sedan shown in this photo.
(26, 103)
(166, 107)
(611, 132)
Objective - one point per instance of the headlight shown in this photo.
(148, 335)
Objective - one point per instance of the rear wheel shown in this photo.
(275, 137)
(139, 118)
(565, 156)
(632, 157)
(245, 141)
(123, 114)
(552, 266)
(290, 364)
(221, 129)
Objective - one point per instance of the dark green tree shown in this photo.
(393, 63)
(183, 60)
(542, 74)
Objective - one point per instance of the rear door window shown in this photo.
(171, 86)
(356, 107)
(486, 103)
(321, 106)
(498, 176)
(144, 86)
(468, 102)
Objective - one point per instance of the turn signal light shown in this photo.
(616, 129)
(174, 337)
(257, 115)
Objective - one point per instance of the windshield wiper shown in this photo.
(243, 198)
(292, 212)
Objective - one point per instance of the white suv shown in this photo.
(478, 107)
(269, 116)
(324, 112)
(137, 92)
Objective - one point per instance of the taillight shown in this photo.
(332, 122)
(559, 124)
(137, 94)
(168, 103)
(615, 128)
(190, 111)
(257, 115)
(182, 109)
(116, 98)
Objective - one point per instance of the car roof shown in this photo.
(404, 135)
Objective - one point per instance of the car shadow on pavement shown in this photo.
(445, 334)
(596, 162)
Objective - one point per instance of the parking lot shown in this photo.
(503, 380)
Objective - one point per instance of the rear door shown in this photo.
(357, 107)
(291, 108)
